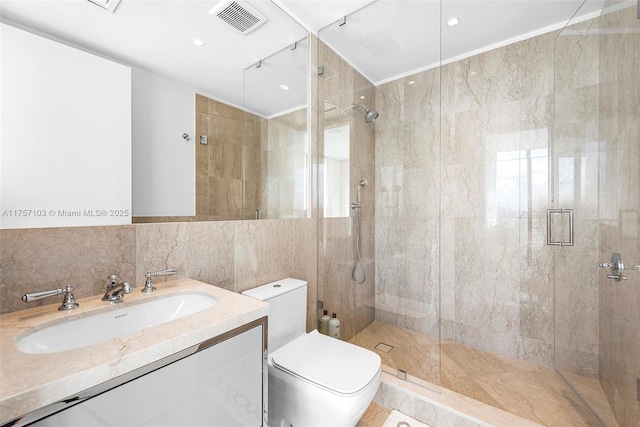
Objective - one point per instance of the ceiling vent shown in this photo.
(239, 14)
(108, 5)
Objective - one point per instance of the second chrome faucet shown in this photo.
(115, 291)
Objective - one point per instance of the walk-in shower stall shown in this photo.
(498, 234)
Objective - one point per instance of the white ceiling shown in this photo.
(386, 39)
(157, 36)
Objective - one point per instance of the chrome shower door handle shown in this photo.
(551, 212)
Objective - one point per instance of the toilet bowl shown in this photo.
(314, 380)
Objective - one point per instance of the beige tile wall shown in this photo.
(488, 189)
(235, 255)
(285, 158)
(618, 40)
(341, 85)
(235, 144)
(408, 202)
(574, 178)
(485, 183)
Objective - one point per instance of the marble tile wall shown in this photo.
(255, 133)
(574, 180)
(408, 202)
(618, 39)
(235, 255)
(285, 160)
(488, 189)
(338, 87)
(235, 144)
(39, 259)
(498, 290)
(549, 122)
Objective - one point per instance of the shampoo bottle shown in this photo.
(323, 323)
(334, 327)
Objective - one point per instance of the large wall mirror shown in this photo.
(254, 163)
(219, 119)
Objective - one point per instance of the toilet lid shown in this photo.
(333, 364)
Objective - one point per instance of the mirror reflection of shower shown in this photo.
(369, 115)
(357, 262)
(335, 172)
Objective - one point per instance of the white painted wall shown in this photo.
(163, 162)
(65, 135)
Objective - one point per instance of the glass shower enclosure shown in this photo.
(498, 180)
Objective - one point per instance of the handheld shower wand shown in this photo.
(362, 184)
(358, 260)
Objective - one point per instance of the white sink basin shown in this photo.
(93, 329)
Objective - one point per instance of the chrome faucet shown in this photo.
(115, 291)
(148, 285)
(68, 302)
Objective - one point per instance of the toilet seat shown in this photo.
(337, 366)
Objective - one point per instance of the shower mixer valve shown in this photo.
(616, 266)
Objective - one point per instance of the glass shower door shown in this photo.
(595, 173)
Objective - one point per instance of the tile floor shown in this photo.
(375, 416)
(524, 389)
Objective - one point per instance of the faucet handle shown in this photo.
(68, 302)
(166, 272)
(126, 287)
(148, 285)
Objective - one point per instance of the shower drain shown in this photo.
(385, 348)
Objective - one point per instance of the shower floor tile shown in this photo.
(524, 389)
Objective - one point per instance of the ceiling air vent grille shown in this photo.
(239, 14)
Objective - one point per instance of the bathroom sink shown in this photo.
(92, 329)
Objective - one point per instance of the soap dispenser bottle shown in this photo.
(334, 327)
(323, 323)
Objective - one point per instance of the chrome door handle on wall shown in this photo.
(617, 267)
(549, 233)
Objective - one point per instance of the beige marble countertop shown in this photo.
(31, 381)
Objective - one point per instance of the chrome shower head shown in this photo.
(369, 116)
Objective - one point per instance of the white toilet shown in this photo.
(314, 380)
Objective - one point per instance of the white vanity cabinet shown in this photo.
(221, 382)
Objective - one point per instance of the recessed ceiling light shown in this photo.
(362, 97)
(198, 42)
(411, 82)
(453, 22)
(284, 87)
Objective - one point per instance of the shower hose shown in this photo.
(358, 260)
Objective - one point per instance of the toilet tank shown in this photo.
(287, 299)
